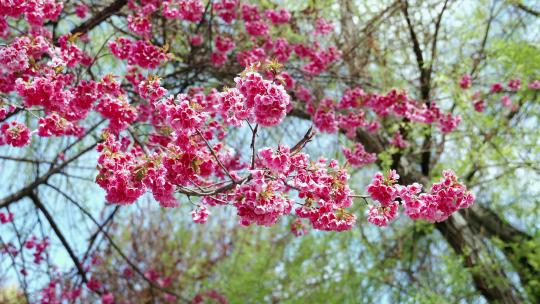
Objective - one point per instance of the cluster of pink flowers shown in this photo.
(39, 247)
(151, 89)
(69, 53)
(277, 161)
(200, 214)
(55, 292)
(260, 201)
(514, 84)
(319, 59)
(14, 134)
(223, 45)
(4, 112)
(280, 16)
(497, 88)
(140, 25)
(267, 100)
(479, 105)
(324, 186)
(6, 217)
(250, 57)
(184, 150)
(443, 199)
(226, 9)
(325, 116)
(182, 114)
(196, 40)
(188, 10)
(281, 49)
(398, 141)
(359, 157)
(56, 125)
(107, 298)
(480, 99)
(213, 295)
(36, 11)
(140, 52)
(323, 27)
(120, 173)
(139, 22)
(232, 107)
(383, 214)
(465, 81)
(81, 10)
(534, 85)
(118, 110)
(352, 115)
(125, 174)
(47, 91)
(257, 28)
(13, 59)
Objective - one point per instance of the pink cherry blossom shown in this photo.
(465, 81)
(280, 16)
(382, 215)
(81, 10)
(14, 134)
(323, 27)
(359, 157)
(200, 214)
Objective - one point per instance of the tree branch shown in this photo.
(101, 16)
(37, 202)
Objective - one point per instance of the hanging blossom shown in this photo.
(465, 81)
(443, 199)
(14, 134)
(35, 12)
(359, 157)
(120, 173)
(260, 202)
(188, 10)
(398, 141)
(6, 217)
(140, 52)
(355, 102)
(323, 27)
(226, 10)
(56, 125)
(200, 214)
(267, 100)
(280, 16)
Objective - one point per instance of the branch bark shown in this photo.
(27, 190)
(101, 16)
(37, 202)
(527, 9)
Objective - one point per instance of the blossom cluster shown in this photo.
(15, 134)
(255, 99)
(350, 113)
(443, 199)
(359, 157)
(513, 86)
(39, 247)
(6, 217)
(36, 12)
(140, 52)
